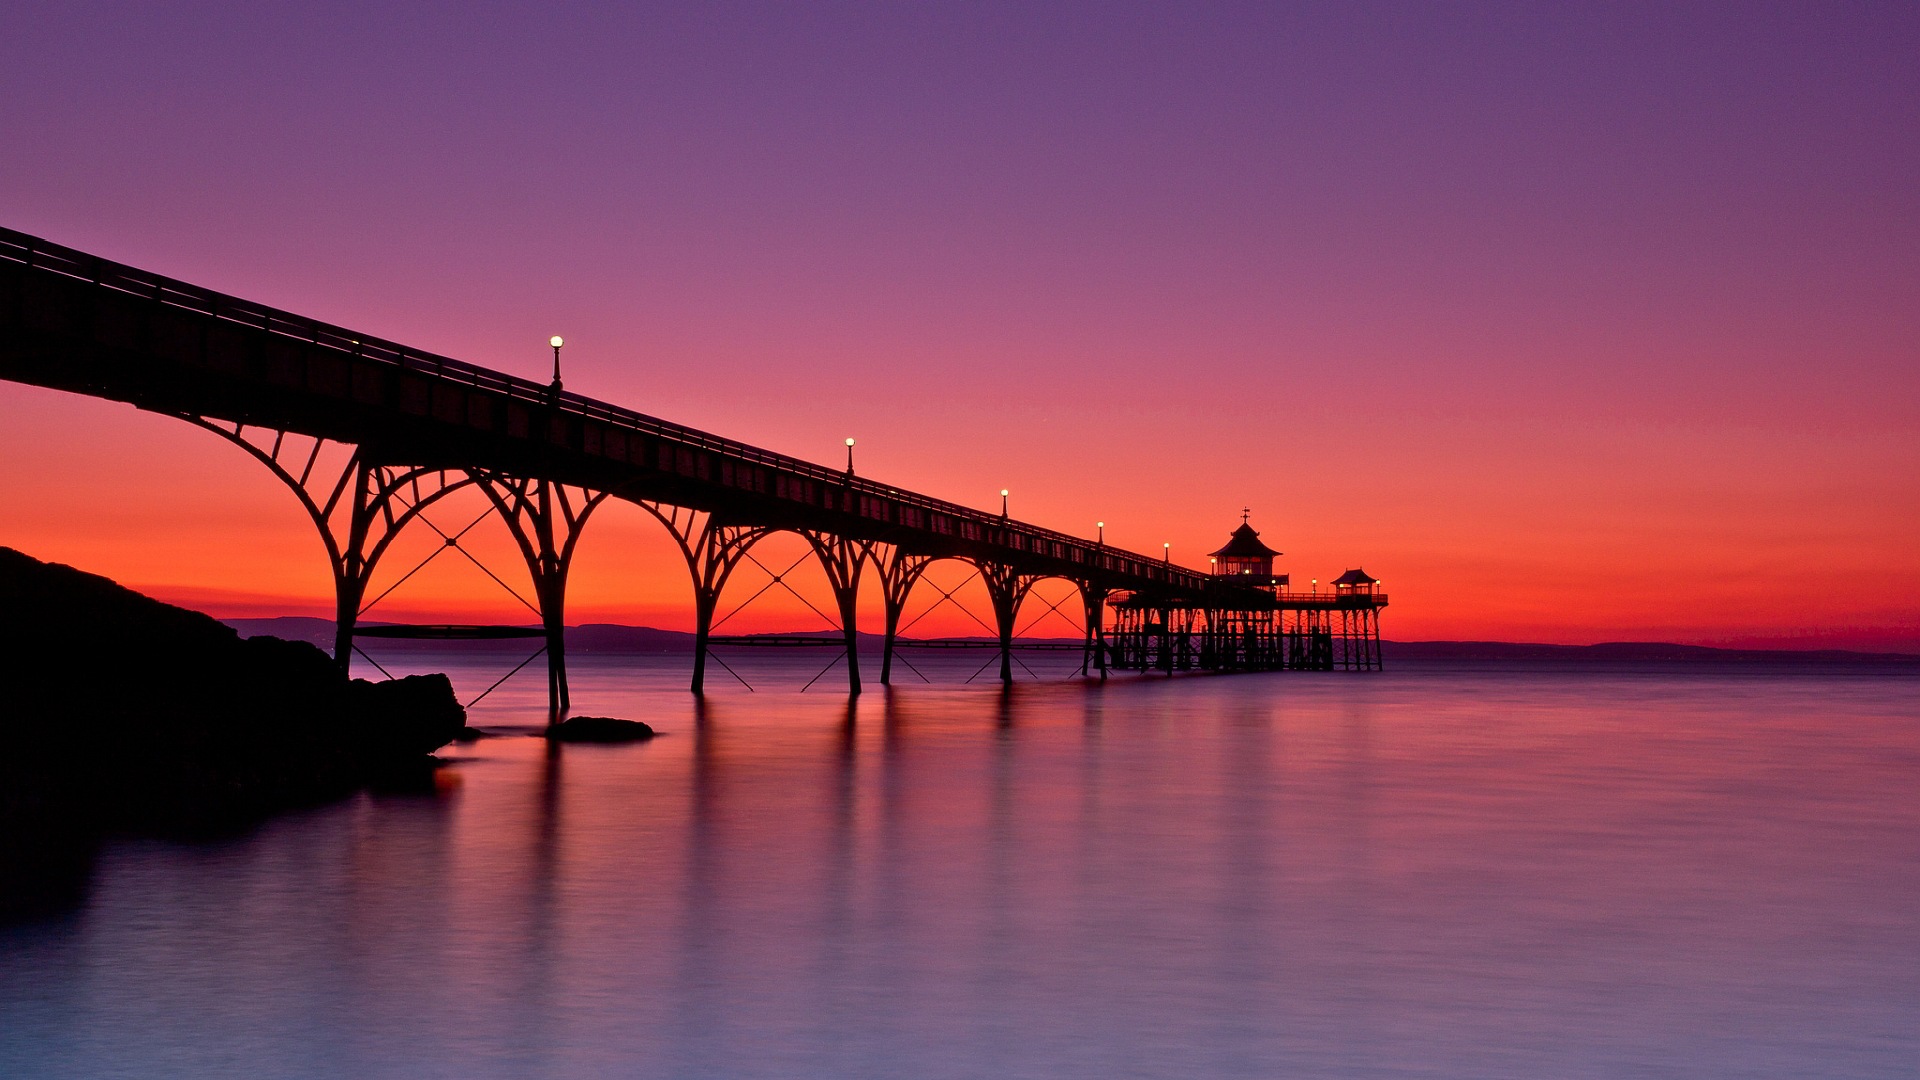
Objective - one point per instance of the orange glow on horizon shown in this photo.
(1571, 324)
(1533, 549)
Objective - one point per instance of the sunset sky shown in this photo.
(1571, 325)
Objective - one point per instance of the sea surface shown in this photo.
(1438, 871)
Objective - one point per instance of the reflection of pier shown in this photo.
(368, 435)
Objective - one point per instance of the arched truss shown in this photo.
(358, 508)
(1048, 608)
(899, 572)
(545, 520)
(713, 550)
(1007, 590)
(361, 506)
(1093, 601)
(843, 558)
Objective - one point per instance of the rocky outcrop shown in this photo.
(600, 729)
(121, 713)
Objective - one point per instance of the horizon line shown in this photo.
(1435, 642)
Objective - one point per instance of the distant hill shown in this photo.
(588, 638)
(1628, 652)
(585, 638)
(617, 639)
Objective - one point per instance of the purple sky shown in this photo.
(1567, 308)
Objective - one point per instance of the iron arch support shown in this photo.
(713, 549)
(843, 558)
(899, 572)
(1093, 599)
(545, 520)
(358, 510)
(1006, 588)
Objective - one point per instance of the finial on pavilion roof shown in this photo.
(1245, 543)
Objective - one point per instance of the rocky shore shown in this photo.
(121, 714)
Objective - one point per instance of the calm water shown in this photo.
(1434, 872)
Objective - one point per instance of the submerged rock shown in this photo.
(601, 729)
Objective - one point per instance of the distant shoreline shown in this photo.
(602, 638)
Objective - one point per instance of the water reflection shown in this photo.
(1434, 874)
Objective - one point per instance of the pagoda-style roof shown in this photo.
(1356, 577)
(1245, 544)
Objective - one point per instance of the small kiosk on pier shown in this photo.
(1249, 620)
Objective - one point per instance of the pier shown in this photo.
(418, 427)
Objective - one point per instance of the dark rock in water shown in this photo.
(601, 729)
(405, 718)
(121, 713)
(474, 734)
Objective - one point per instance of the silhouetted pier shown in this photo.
(419, 427)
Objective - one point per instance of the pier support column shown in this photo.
(712, 549)
(1006, 587)
(705, 600)
(546, 520)
(842, 559)
(1095, 653)
(899, 572)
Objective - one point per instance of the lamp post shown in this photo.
(1166, 553)
(1213, 565)
(1316, 586)
(849, 456)
(556, 342)
(1003, 502)
(1102, 526)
